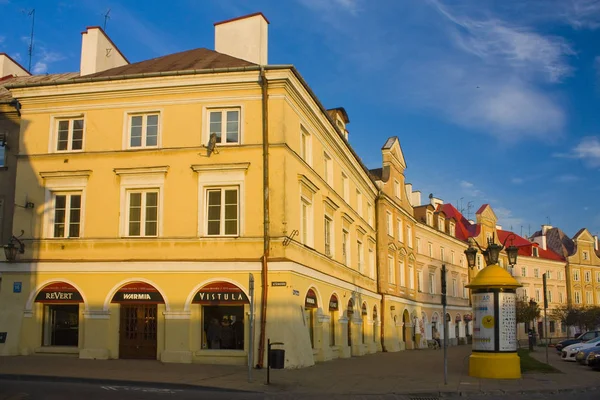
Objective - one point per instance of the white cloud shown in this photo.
(567, 178)
(350, 6)
(2, 38)
(588, 150)
(581, 14)
(470, 190)
(45, 59)
(507, 219)
(517, 181)
(466, 185)
(40, 68)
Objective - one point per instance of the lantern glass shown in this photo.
(471, 253)
(511, 252)
(493, 253)
(10, 251)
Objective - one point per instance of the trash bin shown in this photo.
(276, 358)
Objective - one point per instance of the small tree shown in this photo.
(527, 311)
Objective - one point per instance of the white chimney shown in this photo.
(541, 240)
(8, 66)
(98, 52)
(498, 227)
(596, 242)
(545, 229)
(415, 198)
(244, 37)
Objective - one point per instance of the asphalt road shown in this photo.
(43, 390)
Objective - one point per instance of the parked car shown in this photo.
(582, 355)
(584, 337)
(594, 360)
(569, 352)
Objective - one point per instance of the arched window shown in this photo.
(310, 305)
(333, 309)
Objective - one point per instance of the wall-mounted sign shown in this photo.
(278, 283)
(59, 292)
(333, 303)
(296, 292)
(484, 332)
(138, 292)
(311, 299)
(17, 286)
(507, 321)
(220, 293)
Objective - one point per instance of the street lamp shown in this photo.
(12, 248)
(492, 253)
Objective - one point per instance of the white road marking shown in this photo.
(141, 389)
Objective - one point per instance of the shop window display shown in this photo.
(61, 325)
(223, 327)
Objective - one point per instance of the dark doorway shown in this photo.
(137, 334)
(61, 325)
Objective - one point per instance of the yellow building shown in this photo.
(150, 212)
(583, 269)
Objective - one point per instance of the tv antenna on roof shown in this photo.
(30, 49)
(106, 18)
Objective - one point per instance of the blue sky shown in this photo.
(493, 101)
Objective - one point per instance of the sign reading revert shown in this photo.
(59, 292)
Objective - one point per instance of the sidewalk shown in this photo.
(408, 372)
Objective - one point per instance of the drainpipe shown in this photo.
(266, 240)
(378, 272)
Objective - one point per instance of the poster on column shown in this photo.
(507, 320)
(484, 322)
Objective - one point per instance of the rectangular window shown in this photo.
(409, 239)
(576, 275)
(360, 256)
(402, 273)
(577, 297)
(346, 187)
(359, 203)
(2, 156)
(589, 297)
(397, 188)
(452, 257)
(442, 254)
(370, 213)
(552, 326)
(535, 252)
(143, 213)
(452, 230)
(588, 276)
(69, 135)
(432, 283)
(371, 263)
(345, 247)
(418, 245)
(523, 271)
(429, 219)
(597, 277)
(332, 328)
(463, 290)
(548, 274)
(328, 230)
(441, 227)
(559, 275)
(430, 249)
(454, 288)
(304, 144)
(390, 228)
(306, 222)
(560, 297)
(67, 215)
(537, 295)
(225, 124)
(411, 277)
(400, 231)
(223, 327)
(391, 272)
(549, 294)
(328, 169)
(586, 255)
(143, 130)
(536, 273)
(419, 281)
(61, 325)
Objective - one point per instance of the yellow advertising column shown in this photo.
(494, 325)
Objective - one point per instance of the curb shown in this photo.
(118, 382)
(499, 392)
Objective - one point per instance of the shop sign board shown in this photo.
(507, 320)
(59, 292)
(138, 292)
(484, 323)
(220, 293)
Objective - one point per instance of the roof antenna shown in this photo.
(549, 223)
(106, 18)
(30, 50)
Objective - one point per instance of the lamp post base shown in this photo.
(495, 365)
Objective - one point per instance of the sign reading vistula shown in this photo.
(220, 292)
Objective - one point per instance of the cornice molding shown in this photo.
(66, 174)
(142, 170)
(220, 167)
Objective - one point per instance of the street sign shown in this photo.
(3, 337)
(278, 283)
(17, 286)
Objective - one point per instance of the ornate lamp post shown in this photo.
(494, 310)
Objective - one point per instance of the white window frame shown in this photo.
(452, 229)
(53, 142)
(454, 288)
(67, 221)
(328, 218)
(222, 188)
(389, 225)
(420, 281)
(586, 255)
(409, 240)
(442, 254)
(524, 271)
(560, 297)
(328, 168)
(359, 203)
(143, 192)
(430, 249)
(346, 247)
(418, 245)
(400, 231)
(370, 214)
(307, 233)
(371, 262)
(402, 272)
(391, 270)
(360, 258)
(538, 295)
(215, 176)
(452, 257)
(346, 187)
(577, 296)
(576, 275)
(127, 127)
(62, 183)
(305, 145)
(411, 277)
(549, 294)
(589, 297)
(598, 277)
(441, 226)
(431, 283)
(587, 275)
(429, 218)
(223, 110)
(397, 188)
(536, 273)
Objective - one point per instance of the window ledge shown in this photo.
(220, 353)
(57, 350)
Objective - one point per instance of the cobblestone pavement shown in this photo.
(417, 373)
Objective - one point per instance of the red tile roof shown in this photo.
(464, 229)
(525, 246)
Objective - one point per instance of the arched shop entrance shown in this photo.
(406, 336)
(61, 314)
(350, 315)
(364, 313)
(333, 309)
(138, 323)
(310, 306)
(222, 316)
